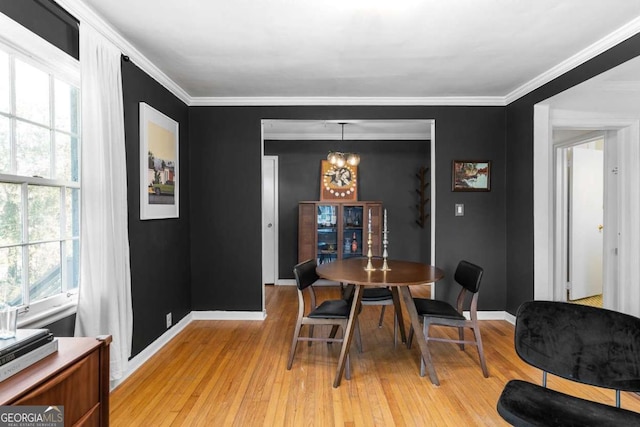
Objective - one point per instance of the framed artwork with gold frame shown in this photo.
(338, 182)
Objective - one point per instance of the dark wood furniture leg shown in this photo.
(346, 343)
(417, 332)
(398, 308)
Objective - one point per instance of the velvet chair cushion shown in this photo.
(526, 404)
(581, 343)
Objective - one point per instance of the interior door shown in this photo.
(269, 221)
(586, 223)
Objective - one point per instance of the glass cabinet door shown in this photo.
(352, 231)
(327, 227)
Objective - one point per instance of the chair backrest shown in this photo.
(581, 343)
(305, 273)
(468, 275)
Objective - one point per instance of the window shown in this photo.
(39, 182)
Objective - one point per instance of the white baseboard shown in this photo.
(292, 282)
(493, 315)
(228, 315)
(141, 358)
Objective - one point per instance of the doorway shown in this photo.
(289, 140)
(269, 220)
(580, 189)
(621, 270)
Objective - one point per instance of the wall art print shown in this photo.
(471, 175)
(159, 174)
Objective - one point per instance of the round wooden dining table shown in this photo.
(399, 277)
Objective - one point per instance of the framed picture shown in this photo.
(471, 175)
(338, 182)
(159, 173)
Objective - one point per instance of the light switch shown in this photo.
(459, 209)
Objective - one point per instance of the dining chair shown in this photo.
(435, 312)
(333, 312)
(375, 296)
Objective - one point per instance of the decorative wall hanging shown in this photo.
(338, 182)
(422, 196)
(159, 176)
(471, 175)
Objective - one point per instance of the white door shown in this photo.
(586, 209)
(269, 220)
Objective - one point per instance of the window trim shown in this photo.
(32, 49)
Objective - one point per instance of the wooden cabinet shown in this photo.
(337, 230)
(76, 377)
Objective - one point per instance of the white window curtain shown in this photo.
(104, 303)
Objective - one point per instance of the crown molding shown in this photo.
(321, 100)
(618, 36)
(85, 14)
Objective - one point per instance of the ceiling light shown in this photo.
(340, 159)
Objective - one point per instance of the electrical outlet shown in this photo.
(169, 321)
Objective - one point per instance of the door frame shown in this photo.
(432, 202)
(274, 251)
(545, 172)
(562, 225)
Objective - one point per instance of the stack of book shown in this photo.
(25, 349)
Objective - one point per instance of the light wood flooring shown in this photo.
(233, 373)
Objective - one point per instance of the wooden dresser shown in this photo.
(76, 377)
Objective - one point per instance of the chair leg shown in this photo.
(395, 329)
(294, 344)
(425, 331)
(410, 337)
(358, 337)
(381, 316)
(461, 337)
(483, 363)
(334, 331)
(310, 334)
(347, 369)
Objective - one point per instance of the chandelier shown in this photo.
(340, 159)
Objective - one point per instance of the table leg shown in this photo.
(348, 334)
(417, 332)
(398, 308)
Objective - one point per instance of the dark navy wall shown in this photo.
(226, 206)
(520, 167)
(160, 252)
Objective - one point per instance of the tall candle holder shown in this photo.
(385, 243)
(369, 266)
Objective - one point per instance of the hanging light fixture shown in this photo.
(340, 159)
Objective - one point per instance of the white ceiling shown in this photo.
(456, 51)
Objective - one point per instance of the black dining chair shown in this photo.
(334, 312)
(435, 312)
(375, 296)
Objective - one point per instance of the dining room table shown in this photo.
(398, 276)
